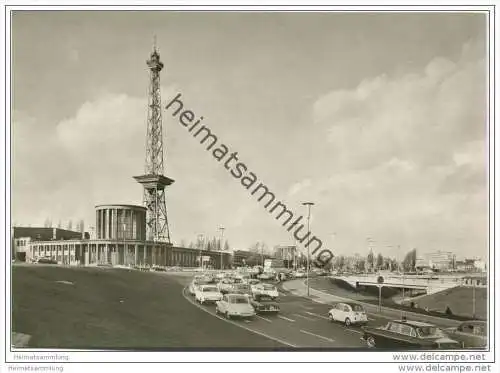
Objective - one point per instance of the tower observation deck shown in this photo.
(153, 180)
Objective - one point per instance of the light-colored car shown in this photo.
(220, 275)
(225, 285)
(348, 313)
(472, 334)
(266, 276)
(207, 294)
(235, 305)
(192, 287)
(299, 274)
(264, 289)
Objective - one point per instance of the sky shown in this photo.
(379, 119)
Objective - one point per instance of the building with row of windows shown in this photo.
(446, 261)
(120, 240)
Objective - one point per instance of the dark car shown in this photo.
(46, 261)
(472, 334)
(265, 304)
(402, 334)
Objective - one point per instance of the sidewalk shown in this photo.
(299, 288)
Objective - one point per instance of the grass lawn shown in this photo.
(459, 300)
(115, 308)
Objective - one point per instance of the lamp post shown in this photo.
(221, 228)
(200, 242)
(403, 274)
(474, 298)
(308, 204)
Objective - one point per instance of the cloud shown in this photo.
(407, 157)
(421, 117)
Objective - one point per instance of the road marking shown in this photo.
(285, 318)
(317, 335)
(304, 317)
(315, 314)
(319, 301)
(247, 321)
(263, 318)
(234, 323)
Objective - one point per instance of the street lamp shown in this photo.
(403, 277)
(200, 243)
(221, 228)
(308, 204)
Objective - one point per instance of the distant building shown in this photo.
(23, 237)
(243, 258)
(441, 260)
(287, 253)
(466, 265)
(480, 265)
(421, 263)
(120, 240)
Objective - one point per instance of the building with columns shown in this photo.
(121, 240)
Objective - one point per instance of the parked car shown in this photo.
(207, 294)
(402, 334)
(234, 305)
(348, 313)
(46, 261)
(269, 290)
(472, 334)
(265, 304)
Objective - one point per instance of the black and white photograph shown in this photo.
(249, 184)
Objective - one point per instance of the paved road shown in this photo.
(300, 323)
(322, 292)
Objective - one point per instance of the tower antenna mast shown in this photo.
(153, 180)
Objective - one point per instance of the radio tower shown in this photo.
(153, 180)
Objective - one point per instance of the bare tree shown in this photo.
(380, 261)
(370, 260)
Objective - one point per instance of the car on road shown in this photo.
(403, 334)
(241, 289)
(234, 305)
(265, 305)
(192, 287)
(226, 285)
(299, 274)
(260, 290)
(472, 334)
(220, 275)
(252, 281)
(207, 294)
(348, 313)
(197, 281)
(266, 276)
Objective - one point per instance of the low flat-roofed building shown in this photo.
(23, 237)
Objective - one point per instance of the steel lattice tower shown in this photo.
(153, 181)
